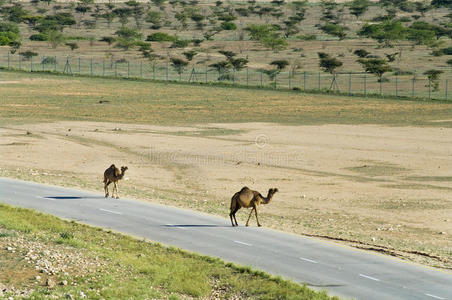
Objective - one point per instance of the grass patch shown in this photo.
(31, 97)
(126, 267)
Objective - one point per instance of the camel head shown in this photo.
(123, 169)
(269, 197)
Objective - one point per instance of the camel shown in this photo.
(112, 175)
(249, 198)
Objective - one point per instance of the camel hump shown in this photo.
(112, 166)
(244, 189)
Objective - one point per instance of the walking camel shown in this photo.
(112, 175)
(249, 198)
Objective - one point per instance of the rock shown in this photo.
(38, 277)
(9, 248)
(442, 232)
(64, 282)
(82, 294)
(69, 296)
(50, 283)
(303, 196)
(373, 239)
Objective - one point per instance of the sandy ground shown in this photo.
(388, 186)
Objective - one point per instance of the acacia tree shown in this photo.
(329, 64)
(375, 66)
(127, 38)
(433, 79)
(178, 64)
(359, 7)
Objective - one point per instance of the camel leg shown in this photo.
(255, 211)
(232, 215)
(117, 190)
(114, 189)
(247, 221)
(106, 188)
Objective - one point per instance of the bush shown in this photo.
(307, 37)
(49, 60)
(38, 37)
(228, 26)
(447, 51)
(161, 37)
(28, 54)
(180, 44)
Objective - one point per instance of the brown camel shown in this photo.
(249, 198)
(112, 175)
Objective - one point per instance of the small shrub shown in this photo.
(161, 37)
(28, 54)
(50, 60)
(180, 44)
(228, 26)
(38, 37)
(447, 51)
(307, 37)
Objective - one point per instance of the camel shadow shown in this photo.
(193, 226)
(72, 197)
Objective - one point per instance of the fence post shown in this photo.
(206, 73)
(304, 81)
(381, 85)
(153, 70)
(91, 66)
(233, 76)
(412, 87)
(247, 76)
(397, 85)
(55, 65)
(261, 79)
(9, 60)
(350, 84)
(141, 69)
(429, 89)
(319, 83)
(103, 67)
(290, 81)
(42, 63)
(166, 71)
(79, 65)
(20, 62)
(365, 85)
(276, 75)
(31, 64)
(447, 85)
(116, 69)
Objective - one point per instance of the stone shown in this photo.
(50, 283)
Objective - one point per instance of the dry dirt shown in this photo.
(383, 188)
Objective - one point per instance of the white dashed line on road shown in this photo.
(368, 277)
(309, 260)
(242, 243)
(110, 211)
(436, 297)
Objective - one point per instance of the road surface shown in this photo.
(339, 269)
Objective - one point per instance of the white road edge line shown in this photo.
(110, 211)
(436, 297)
(246, 244)
(368, 277)
(309, 260)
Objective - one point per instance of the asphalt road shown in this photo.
(340, 270)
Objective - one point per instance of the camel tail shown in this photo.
(233, 202)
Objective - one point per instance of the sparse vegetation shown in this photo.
(89, 262)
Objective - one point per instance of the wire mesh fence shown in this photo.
(353, 84)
